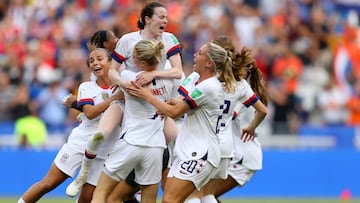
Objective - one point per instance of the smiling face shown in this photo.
(157, 23)
(99, 62)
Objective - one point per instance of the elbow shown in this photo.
(179, 74)
(90, 115)
(264, 113)
(112, 76)
(173, 114)
(176, 72)
(261, 112)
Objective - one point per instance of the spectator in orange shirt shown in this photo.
(287, 68)
(353, 105)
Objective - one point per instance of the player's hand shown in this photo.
(144, 78)
(172, 101)
(119, 95)
(78, 117)
(247, 135)
(115, 88)
(138, 91)
(68, 100)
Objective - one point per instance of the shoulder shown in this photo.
(129, 38)
(130, 35)
(128, 74)
(86, 84)
(210, 86)
(167, 36)
(242, 84)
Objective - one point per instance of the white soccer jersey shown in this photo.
(142, 126)
(125, 46)
(189, 83)
(90, 93)
(243, 94)
(198, 135)
(249, 154)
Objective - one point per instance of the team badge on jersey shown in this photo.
(196, 93)
(174, 39)
(104, 95)
(64, 157)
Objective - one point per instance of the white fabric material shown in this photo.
(249, 152)
(243, 94)
(141, 125)
(21, 200)
(125, 46)
(198, 134)
(68, 160)
(91, 93)
(196, 171)
(209, 199)
(193, 200)
(240, 174)
(221, 171)
(147, 162)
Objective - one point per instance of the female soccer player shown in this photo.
(197, 146)
(247, 155)
(142, 140)
(94, 97)
(110, 120)
(152, 23)
(100, 39)
(243, 94)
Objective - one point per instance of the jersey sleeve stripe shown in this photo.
(174, 50)
(252, 100)
(234, 115)
(84, 101)
(183, 91)
(117, 57)
(190, 101)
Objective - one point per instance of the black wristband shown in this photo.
(74, 105)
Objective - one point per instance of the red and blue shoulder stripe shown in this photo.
(190, 101)
(183, 91)
(252, 100)
(117, 57)
(174, 50)
(85, 101)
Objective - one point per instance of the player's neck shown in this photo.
(146, 34)
(103, 82)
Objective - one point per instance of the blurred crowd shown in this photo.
(308, 51)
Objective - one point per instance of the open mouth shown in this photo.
(162, 28)
(97, 69)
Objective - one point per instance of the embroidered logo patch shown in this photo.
(196, 93)
(64, 157)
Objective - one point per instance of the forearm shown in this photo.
(115, 77)
(163, 107)
(94, 111)
(172, 73)
(114, 73)
(259, 117)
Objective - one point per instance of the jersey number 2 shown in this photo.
(225, 107)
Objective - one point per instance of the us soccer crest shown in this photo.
(104, 95)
